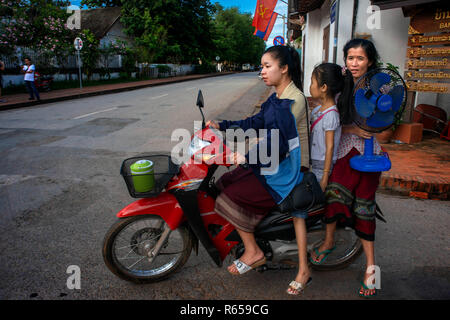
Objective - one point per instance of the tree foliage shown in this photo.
(186, 31)
(233, 36)
(37, 24)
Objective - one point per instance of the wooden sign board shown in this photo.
(421, 40)
(428, 63)
(435, 19)
(428, 52)
(428, 87)
(427, 75)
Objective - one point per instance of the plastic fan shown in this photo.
(379, 98)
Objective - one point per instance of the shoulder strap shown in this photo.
(307, 128)
(320, 118)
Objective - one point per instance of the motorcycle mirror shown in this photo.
(200, 102)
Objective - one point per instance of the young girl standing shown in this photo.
(326, 82)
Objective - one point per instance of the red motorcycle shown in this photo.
(42, 83)
(155, 235)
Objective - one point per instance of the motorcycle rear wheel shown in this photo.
(128, 242)
(348, 248)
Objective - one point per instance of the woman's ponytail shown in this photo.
(344, 103)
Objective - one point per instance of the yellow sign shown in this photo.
(443, 63)
(428, 87)
(429, 52)
(427, 75)
(420, 40)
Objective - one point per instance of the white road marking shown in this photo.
(157, 97)
(92, 113)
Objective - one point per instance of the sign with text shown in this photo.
(420, 40)
(427, 75)
(427, 67)
(428, 87)
(428, 52)
(433, 19)
(443, 63)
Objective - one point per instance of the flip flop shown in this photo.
(318, 254)
(297, 287)
(364, 288)
(243, 268)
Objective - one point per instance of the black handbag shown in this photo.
(304, 196)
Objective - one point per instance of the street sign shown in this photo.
(78, 44)
(278, 41)
(333, 12)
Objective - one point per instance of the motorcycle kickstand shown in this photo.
(152, 254)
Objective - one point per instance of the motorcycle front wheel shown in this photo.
(128, 244)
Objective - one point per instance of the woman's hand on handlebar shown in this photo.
(212, 124)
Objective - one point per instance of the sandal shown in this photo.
(364, 288)
(243, 268)
(295, 288)
(318, 254)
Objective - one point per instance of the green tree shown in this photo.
(166, 30)
(186, 31)
(233, 37)
(37, 24)
(90, 53)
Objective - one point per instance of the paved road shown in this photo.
(60, 189)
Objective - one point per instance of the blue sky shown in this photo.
(248, 6)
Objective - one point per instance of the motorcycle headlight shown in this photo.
(197, 144)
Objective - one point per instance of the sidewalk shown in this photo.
(21, 100)
(420, 170)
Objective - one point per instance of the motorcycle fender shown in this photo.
(164, 205)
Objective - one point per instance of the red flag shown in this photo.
(266, 33)
(263, 14)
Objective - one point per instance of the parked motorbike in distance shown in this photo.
(42, 83)
(155, 235)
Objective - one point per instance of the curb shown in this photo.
(132, 86)
(419, 187)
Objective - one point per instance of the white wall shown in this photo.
(344, 28)
(391, 38)
(316, 21)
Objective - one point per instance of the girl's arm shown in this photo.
(329, 143)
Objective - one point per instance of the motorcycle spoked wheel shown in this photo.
(127, 243)
(348, 248)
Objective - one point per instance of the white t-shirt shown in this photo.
(29, 76)
(329, 122)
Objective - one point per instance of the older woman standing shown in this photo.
(350, 193)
